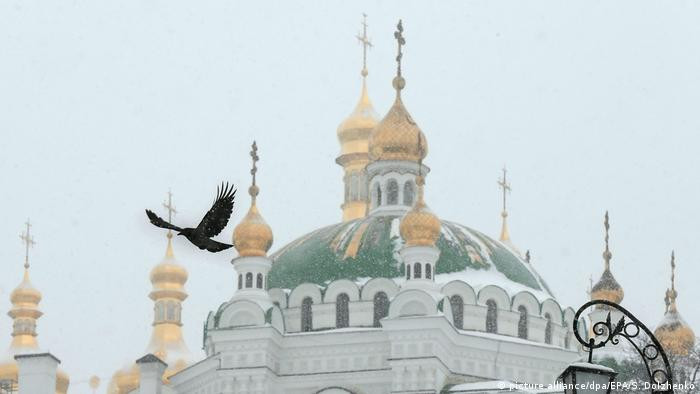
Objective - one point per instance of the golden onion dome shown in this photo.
(674, 334)
(607, 288)
(252, 236)
(420, 227)
(25, 293)
(125, 380)
(394, 138)
(62, 382)
(168, 272)
(354, 131)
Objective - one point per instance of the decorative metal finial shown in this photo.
(366, 43)
(399, 83)
(28, 241)
(590, 286)
(505, 188)
(171, 211)
(606, 254)
(254, 190)
(673, 271)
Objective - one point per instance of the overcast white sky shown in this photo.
(592, 105)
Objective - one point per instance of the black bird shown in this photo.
(211, 225)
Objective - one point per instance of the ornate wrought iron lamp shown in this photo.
(581, 378)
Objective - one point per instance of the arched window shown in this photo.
(392, 192)
(491, 316)
(342, 314)
(354, 187)
(408, 193)
(259, 281)
(416, 271)
(240, 281)
(428, 271)
(408, 271)
(306, 314)
(248, 280)
(548, 329)
(170, 311)
(381, 307)
(522, 322)
(377, 195)
(160, 311)
(457, 304)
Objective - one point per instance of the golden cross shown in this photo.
(366, 43)
(673, 271)
(253, 190)
(171, 211)
(28, 241)
(503, 183)
(398, 35)
(606, 254)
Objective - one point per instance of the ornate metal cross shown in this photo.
(366, 43)
(505, 187)
(28, 241)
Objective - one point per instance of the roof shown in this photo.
(368, 248)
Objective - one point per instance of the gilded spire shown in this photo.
(253, 236)
(607, 288)
(671, 294)
(25, 302)
(354, 134)
(28, 241)
(366, 44)
(673, 332)
(505, 188)
(607, 255)
(399, 82)
(395, 136)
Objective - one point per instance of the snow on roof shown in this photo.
(479, 279)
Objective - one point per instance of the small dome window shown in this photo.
(392, 192)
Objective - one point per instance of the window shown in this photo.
(392, 192)
(259, 281)
(248, 280)
(354, 187)
(381, 307)
(342, 314)
(522, 322)
(160, 311)
(408, 271)
(306, 314)
(240, 281)
(457, 304)
(428, 271)
(416, 270)
(548, 329)
(170, 314)
(491, 316)
(408, 193)
(377, 195)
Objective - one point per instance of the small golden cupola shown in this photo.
(168, 279)
(353, 135)
(674, 334)
(420, 227)
(253, 236)
(396, 135)
(25, 312)
(607, 288)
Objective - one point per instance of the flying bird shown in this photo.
(211, 225)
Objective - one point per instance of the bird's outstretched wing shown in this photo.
(217, 218)
(211, 245)
(158, 222)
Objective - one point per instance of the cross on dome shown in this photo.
(28, 241)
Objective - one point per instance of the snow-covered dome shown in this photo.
(368, 248)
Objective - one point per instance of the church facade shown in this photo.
(392, 299)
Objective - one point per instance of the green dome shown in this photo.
(368, 248)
